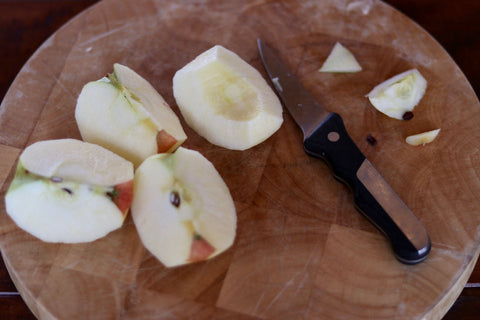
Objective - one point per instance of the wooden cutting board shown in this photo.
(302, 251)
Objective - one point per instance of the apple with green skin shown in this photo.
(226, 100)
(70, 191)
(125, 114)
(182, 209)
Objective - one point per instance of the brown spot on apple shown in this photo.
(122, 196)
(200, 249)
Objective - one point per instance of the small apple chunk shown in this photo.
(399, 94)
(70, 191)
(422, 138)
(125, 114)
(182, 209)
(340, 60)
(226, 100)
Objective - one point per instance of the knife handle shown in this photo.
(373, 196)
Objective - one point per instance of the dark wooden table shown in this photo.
(25, 25)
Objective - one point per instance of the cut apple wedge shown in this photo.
(226, 100)
(125, 114)
(340, 60)
(422, 138)
(399, 94)
(70, 191)
(182, 209)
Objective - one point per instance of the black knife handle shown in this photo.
(331, 142)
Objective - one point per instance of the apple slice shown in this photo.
(227, 101)
(399, 94)
(182, 208)
(70, 191)
(125, 114)
(422, 138)
(340, 60)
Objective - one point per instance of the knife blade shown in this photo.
(325, 137)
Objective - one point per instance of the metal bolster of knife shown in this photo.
(331, 142)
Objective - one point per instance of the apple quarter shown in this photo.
(69, 191)
(182, 209)
(125, 114)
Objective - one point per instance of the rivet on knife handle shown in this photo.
(325, 137)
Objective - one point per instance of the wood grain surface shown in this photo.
(302, 251)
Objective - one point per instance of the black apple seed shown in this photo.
(175, 199)
(67, 190)
(408, 115)
(371, 140)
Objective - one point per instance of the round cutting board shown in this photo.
(301, 250)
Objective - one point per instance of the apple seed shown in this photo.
(67, 190)
(175, 198)
(407, 115)
(371, 140)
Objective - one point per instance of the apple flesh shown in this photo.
(69, 191)
(125, 114)
(226, 100)
(340, 60)
(422, 138)
(182, 209)
(399, 94)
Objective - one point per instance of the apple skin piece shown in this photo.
(399, 94)
(422, 138)
(226, 100)
(125, 114)
(69, 191)
(340, 60)
(182, 208)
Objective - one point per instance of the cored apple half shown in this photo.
(182, 208)
(226, 100)
(125, 114)
(70, 191)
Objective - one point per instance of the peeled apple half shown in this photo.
(70, 191)
(399, 94)
(227, 101)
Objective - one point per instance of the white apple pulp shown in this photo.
(226, 100)
(63, 212)
(340, 60)
(399, 94)
(179, 198)
(422, 138)
(125, 114)
(66, 191)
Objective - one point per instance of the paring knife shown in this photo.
(325, 137)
